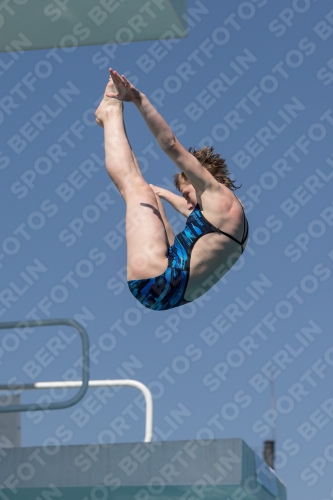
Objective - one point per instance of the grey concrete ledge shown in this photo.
(225, 469)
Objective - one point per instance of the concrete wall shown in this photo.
(215, 469)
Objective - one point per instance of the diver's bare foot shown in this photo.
(107, 103)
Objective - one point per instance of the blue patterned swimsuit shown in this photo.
(167, 290)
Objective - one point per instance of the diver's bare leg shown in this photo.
(147, 243)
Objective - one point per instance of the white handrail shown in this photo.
(96, 383)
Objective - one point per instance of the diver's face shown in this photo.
(188, 192)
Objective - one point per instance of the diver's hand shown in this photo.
(125, 90)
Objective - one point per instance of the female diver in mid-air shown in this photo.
(163, 270)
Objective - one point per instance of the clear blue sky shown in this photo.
(255, 80)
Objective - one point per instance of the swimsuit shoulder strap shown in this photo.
(217, 230)
(246, 225)
(245, 229)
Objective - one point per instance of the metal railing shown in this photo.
(83, 385)
(96, 383)
(85, 363)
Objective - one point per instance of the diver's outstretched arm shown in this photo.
(156, 123)
(198, 176)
